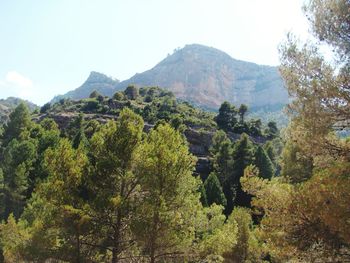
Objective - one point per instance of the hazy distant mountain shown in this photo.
(204, 76)
(96, 81)
(7, 105)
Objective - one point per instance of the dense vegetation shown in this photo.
(97, 191)
(7, 105)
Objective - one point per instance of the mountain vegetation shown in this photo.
(7, 106)
(205, 77)
(118, 180)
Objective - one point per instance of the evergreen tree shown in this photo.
(243, 155)
(296, 165)
(255, 127)
(271, 152)
(203, 197)
(170, 198)
(271, 131)
(214, 191)
(19, 122)
(131, 92)
(242, 111)
(218, 139)
(320, 89)
(263, 163)
(244, 221)
(46, 135)
(2, 193)
(119, 96)
(113, 182)
(17, 162)
(226, 119)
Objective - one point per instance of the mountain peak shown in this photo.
(97, 77)
(96, 81)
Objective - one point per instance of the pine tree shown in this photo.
(170, 198)
(244, 221)
(18, 158)
(226, 119)
(243, 155)
(19, 122)
(242, 111)
(320, 89)
(203, 195)
(214, 191)
(131, 92)
(113, 181)
(271, 152)
(263, 163)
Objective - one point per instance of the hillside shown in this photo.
(204, 76)
(155, 105)
(95, 81)
(7, 105)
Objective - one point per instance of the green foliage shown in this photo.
(45, 107)
(226, 119)
(307, 220)
(263, 163)
(203, 195)
(113, 181)
(94, 95)
(215, 237)
(247, 248)
(119, 96)
(17, 161)
(242, 111)
(11, 235)
(271, 131)
(131, 92)
(91, 105)
(296, 165)
(243, 154)
(17, 125)
(213, 190)
(170, 196)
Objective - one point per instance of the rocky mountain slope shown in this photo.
(207, 76)
(7, 105)
(96, 81)
(204, 76)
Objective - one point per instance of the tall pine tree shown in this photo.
(213, 190)
(263, 163)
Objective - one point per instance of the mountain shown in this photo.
(96, 81)
(207, 76)
(7, 105)
(204, 76)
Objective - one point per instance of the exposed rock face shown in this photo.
(199, 142)
(96, 81)
(207, 76)
(202, 75)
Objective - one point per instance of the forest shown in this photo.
(117, 182)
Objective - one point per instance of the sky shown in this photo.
(48, 47)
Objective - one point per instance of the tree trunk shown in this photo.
(78, 248)
(116, 241)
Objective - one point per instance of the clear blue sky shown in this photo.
(48, 47)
